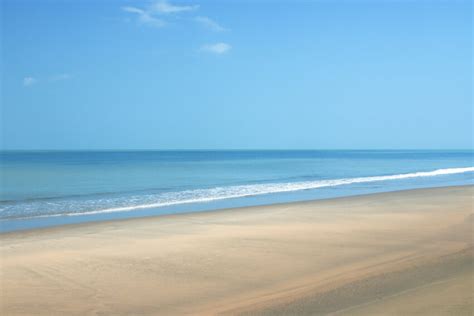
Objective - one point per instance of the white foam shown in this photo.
(221, 193)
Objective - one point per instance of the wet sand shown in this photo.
(399, 253)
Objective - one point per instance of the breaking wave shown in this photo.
(35, 209)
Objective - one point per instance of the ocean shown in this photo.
(48, 188)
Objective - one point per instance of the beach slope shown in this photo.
(399, 253)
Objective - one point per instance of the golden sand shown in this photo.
(400, 253)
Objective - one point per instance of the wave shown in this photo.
(147, 201)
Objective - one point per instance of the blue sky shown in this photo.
(236, 74)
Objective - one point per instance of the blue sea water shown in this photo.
(47, 188)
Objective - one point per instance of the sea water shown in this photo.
(47, 188)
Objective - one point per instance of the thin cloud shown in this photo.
(28, 81)
(217, 48)
(154, 15)
(209, 23)
(165, 7)
(145, 17)
(133, 10)
(61, 77)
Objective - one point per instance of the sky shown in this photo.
(132, 74)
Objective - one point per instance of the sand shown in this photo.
(399, 253)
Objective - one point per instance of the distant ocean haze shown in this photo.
(48, 188)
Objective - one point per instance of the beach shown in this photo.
(399, 253)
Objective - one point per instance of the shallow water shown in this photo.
(51, 188)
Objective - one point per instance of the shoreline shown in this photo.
(401, 252)
(229, 209)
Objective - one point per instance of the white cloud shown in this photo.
(133, 10)
(217, 48)
(28, 81)
(165, 7)
(154, 15)
(145, 17)
(60, 77)
(209, 23)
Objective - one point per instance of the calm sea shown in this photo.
(47, 188)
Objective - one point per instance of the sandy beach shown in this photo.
(399, 253)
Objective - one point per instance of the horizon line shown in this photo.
(232, 149)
